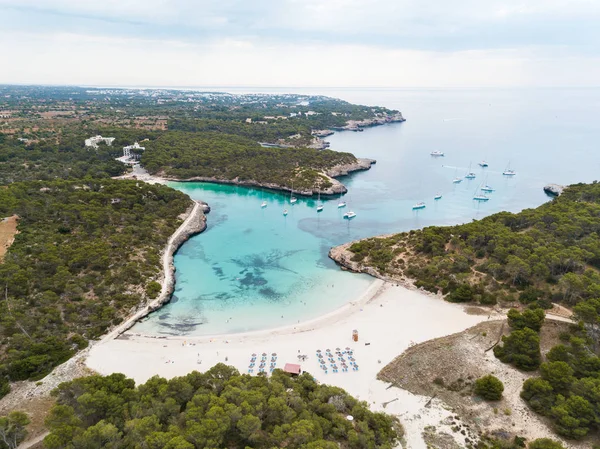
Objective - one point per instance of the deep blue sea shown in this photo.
(255, 269)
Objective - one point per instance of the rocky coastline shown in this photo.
(194, 224)
(342, 256)
(553, 189)
(336, 188)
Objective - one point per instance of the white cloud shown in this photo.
(301, 42)
(97, 60)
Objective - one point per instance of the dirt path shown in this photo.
(446, 368)
(8, 230)
(33, 442)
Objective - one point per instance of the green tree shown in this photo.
(558, 374)
(539, 394)
(573, 416)
(489, 387)
(464, 293)
(531, 318)
(521, 348)
(12, 429)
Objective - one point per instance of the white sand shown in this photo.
(390, 318)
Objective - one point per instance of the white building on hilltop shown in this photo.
(127, 150)
(94, 141)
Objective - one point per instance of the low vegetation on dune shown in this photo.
(216, 409)
(185, 155)
(86, 254)
(538, 256)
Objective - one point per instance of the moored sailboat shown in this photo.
(470, 174)
(508, 171)
(319, 204)
(341, 203)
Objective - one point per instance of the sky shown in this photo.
(303, 43)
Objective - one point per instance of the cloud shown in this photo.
(302, 42)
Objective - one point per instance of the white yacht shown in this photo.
(285, 212)
(438, 196)
(293, 199)
(419, 205)
(319, 204)
(483, 164)
(470, 174)
(480, 197)
(456, 179)
(263, 204)
(341, 203)
(508, 171)
(437, 153)
(349, 214)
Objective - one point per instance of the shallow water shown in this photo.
(255, 269)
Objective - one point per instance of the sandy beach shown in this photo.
(388, 318)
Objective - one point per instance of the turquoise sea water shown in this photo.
(255, 269)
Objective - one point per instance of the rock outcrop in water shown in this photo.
(343, 257)
(553, 189)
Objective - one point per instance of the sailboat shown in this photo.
(285, 212)
(293, 199)
(349, 214)
(437, 153)
(264, 203)
(483, 164)
(456, 179)
(319, 204)
(341, 203)
(438, 196)
(419, 205)
(508, 171)
(479, 196)
(486, 187)
(470, 174)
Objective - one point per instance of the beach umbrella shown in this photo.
(328, 350)
(337, 349)
(264, 354)
(274, 354)
(254, 354)
(348, 348)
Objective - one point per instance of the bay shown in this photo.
(255, 268)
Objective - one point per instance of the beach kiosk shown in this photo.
(293, 369)
(355, 335)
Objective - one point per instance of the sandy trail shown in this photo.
(8, 230)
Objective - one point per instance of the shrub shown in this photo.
(489, 388)
(153, 289)
(4, 387)
(463, 293)
(545, 443)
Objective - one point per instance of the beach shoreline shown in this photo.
(389, 319)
